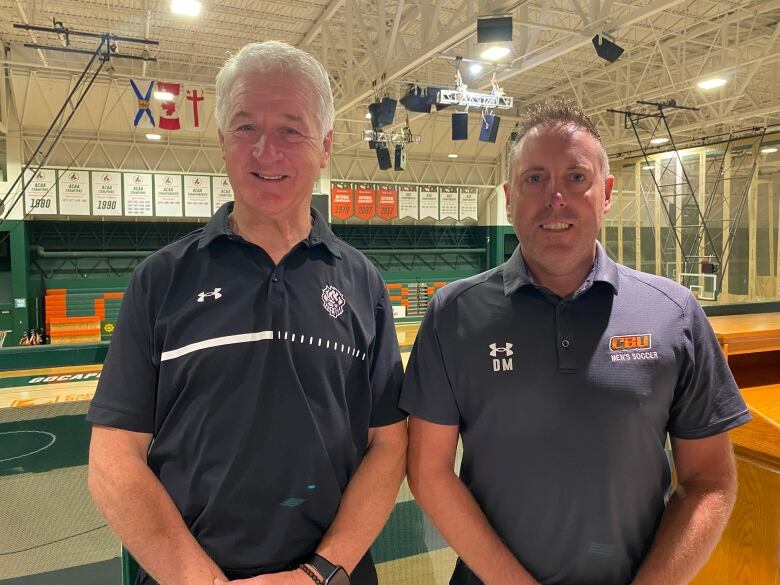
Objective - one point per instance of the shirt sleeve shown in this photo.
(707, 401)
(387, 372)
(427, 392)
(126, 392)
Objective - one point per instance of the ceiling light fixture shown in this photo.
(659, 141)
(769, 149)
(475, 68)
(495, 53)
(712, 83)
(185, 7)
(452, 155)
(153, 137)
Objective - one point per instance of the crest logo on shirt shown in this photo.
(501, 363)
(215, 294)
(333, 301)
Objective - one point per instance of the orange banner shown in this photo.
(387, 198)
(341, 200)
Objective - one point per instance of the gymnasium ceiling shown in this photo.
(670, 45)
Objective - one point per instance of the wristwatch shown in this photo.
(331, 574)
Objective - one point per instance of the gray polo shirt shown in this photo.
(564, 406)
(258, 382)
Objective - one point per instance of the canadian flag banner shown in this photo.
(195, 108)
(168, 110)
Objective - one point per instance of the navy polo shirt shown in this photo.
(258, 383)
(564, 405)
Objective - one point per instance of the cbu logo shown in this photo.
(504, 363)
(630, 342)
(215, 293)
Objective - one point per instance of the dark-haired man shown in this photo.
(563, 372)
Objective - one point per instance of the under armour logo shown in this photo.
(495, 350)
(215, 293)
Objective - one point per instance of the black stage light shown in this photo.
(489, 129)
(400, 157)
(513, 136)
(416, 100)
(374, 144)
(607, 49)
(383, 157)
(460, 125)
(494, 29)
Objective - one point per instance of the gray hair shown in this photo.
(556, 112)
(274, 57)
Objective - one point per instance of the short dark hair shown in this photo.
(556, 112)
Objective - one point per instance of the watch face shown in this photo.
(340, 577)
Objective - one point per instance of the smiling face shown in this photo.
(272, 145)
(556, 199)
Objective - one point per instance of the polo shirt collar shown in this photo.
(320, 233)
(517, 275)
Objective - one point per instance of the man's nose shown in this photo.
(555, 196)
(265, 148)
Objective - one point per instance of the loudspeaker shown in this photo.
(494, 29)
(416, 100)
(606, 49)
(383, 158)
(460, 125)
(374, 144)
(382, 113)
(489, 129)
(400, 157)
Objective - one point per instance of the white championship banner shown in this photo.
(429, 202)
(448, 203)
(221, 192)
(197, 196)
(408, 202)
(106, 193)
(73, 192)
(138, 194)
(40, 196)
(468, 203)
(167, 195)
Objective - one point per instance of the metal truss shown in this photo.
(473, 99)
(391, 137)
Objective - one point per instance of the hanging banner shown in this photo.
(341, 201)
(73, 192)
(408, 202)
(167, 196)
(168, 110)
(197, 196)
(429, 202)
(468, 203)
(195, 110)
(448, 203)
(387, 202)
(40, 195)
(222, 192)
(106, 193)
(365, 201)
(138, 194)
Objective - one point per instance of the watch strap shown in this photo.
(323, 566)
